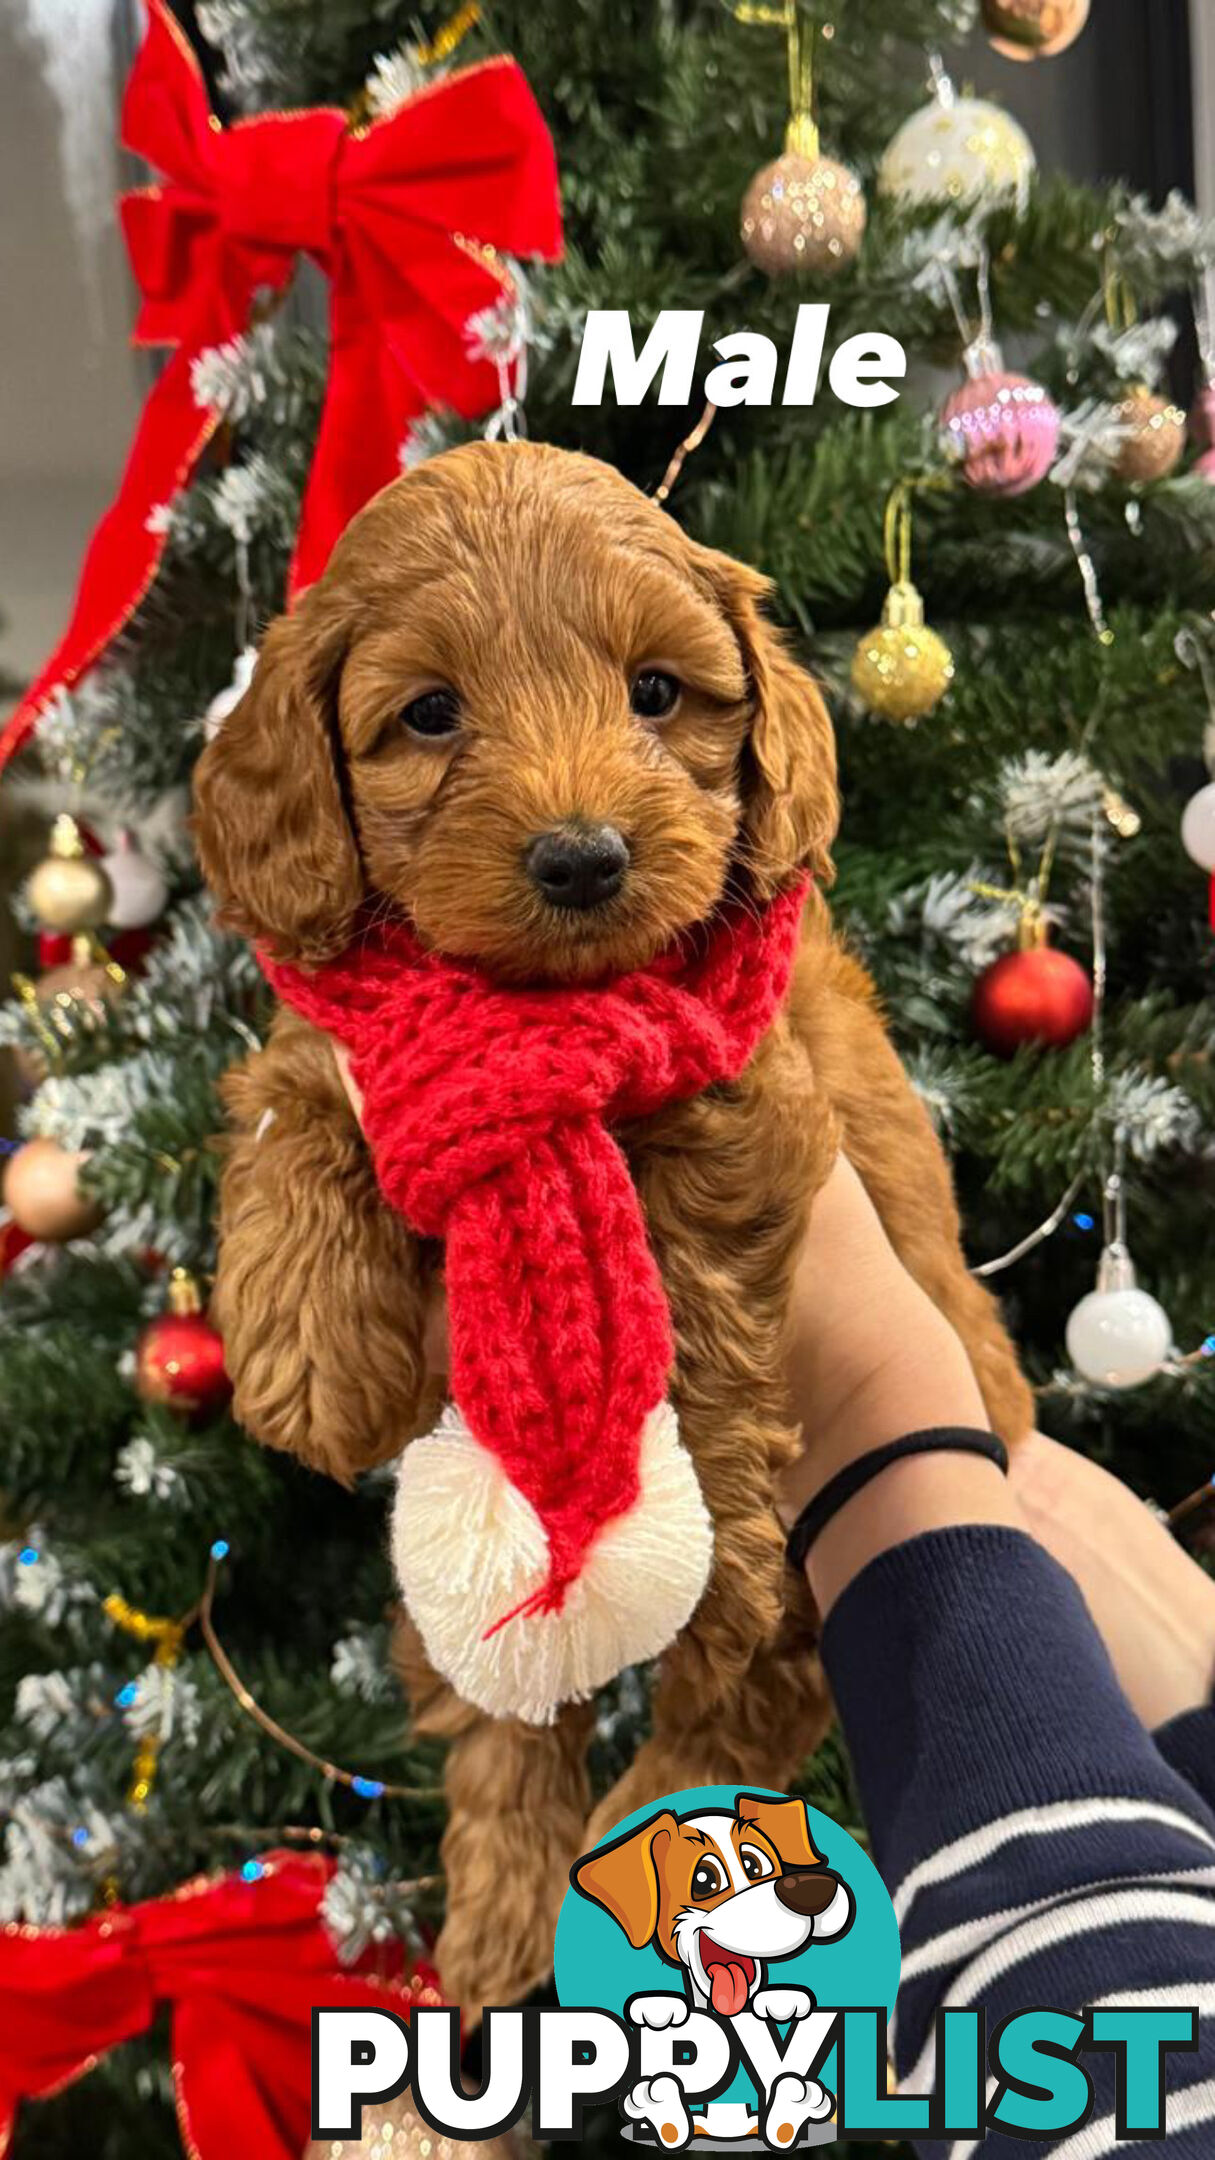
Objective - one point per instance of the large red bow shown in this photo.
(403, 217)
(241, 1965)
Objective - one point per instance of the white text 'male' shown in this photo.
(861, 372)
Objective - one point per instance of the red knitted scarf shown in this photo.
(487, 1110)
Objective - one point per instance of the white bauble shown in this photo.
(140, 890)
(1118, 1338)
(958, 151)
(1198, 827)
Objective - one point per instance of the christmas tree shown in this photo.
(1011, 614)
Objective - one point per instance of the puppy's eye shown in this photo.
(756, 1865)
(435, 713)
(653, 694)
(708, 1878)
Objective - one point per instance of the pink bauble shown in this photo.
(1205, 466)
(1004, 431)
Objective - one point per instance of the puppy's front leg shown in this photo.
(320, 1288)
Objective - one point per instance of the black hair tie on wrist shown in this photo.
(836, 1493)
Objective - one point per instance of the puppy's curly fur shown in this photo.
(537, 584)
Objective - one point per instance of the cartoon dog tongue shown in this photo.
(727, 1987)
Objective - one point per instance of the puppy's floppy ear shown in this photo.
(623, 1878)
(791, 804)
(273, 836)
(785, 1824)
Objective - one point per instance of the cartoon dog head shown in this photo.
(720, 1893)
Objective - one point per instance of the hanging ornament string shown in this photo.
(1086, 567)
(686, 449)
(1033, 899)
(801, 134)
(941, 80)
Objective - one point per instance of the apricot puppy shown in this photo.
(525, 711)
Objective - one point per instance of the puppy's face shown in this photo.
(522, 709)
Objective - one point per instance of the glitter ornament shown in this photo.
(138, 887)
(69, 890)
(902, 669)
(53, 1001)
(1034, 996)
(1034, 29)
(1118, 1336)
(179, 1358)
(1154, 440)
(42, 1193)
(803, 215)
(958, 151)
(395, 2131)
(1002, 429)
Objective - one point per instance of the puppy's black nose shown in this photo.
(578, 866)
(807, 1891)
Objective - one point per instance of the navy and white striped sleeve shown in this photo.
(1039, 1847)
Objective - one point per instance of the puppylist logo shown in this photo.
(726, 1964)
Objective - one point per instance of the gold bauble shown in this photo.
(955, 151)
(902, 669)
(397, 2132)
(69, 890)
(803, 215)
(43, 1196)
(1034, 29)
(1155, 438)
(78, 981)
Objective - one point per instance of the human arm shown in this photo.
(1038, 1846)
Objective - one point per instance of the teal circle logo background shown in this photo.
(595, 1966)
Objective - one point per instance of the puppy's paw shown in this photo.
(659, 2102)
(793, 2102)
(782, 2003)
(657, 2012)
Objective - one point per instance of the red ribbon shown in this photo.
(397, 214)
(240, 1963)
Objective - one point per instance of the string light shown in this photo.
(364, 1787)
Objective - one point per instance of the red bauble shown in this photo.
(179, 1359)
(1040, 996)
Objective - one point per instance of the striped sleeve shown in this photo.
(1038, 1846)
